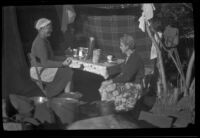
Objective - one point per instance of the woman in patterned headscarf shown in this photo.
(125, 88)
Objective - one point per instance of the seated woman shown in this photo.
(125, 88)
(53, 69)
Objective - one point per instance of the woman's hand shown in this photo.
(107, 86)
(67, 61)
(107, 82)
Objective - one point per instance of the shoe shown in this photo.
(74, 95)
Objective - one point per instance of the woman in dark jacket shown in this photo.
(125, 88)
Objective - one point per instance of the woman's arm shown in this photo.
(55, 57)
(52, 55)
(43, 56)
(59, 58)
(130, 69)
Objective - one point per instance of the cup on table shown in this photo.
(75, 52)
(80, 52)
(96, 55)
(109, 58)
(85, 52)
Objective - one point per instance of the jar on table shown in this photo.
(75, 52)
(96, 55)
(80, 54)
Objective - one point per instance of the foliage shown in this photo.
(182, 110)
(178, 14)
(36, 111)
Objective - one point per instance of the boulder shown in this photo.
(103, 122)
(156, 120)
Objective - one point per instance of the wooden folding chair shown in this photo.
(39, 82)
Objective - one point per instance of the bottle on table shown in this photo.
(91, 47)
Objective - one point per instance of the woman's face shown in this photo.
(123, 47)
(47, 30)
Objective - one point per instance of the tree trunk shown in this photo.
(189, 69)
(177, 63)
(192, 88)
(162, 71)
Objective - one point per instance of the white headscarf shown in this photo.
(42, 22)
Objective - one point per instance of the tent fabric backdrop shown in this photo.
(26, 18)
(108, 29)
(16, 78)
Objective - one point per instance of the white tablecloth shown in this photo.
(104, 69)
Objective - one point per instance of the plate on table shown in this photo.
(112, 62)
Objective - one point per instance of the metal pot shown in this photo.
(106, 108)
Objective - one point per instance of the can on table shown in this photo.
(75, 52)
(96, 55)
(80, 53)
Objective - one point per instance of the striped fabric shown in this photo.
(108, 29)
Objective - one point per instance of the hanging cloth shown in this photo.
(68, 17)
(146, 14)
(153, 48)
(148, 10)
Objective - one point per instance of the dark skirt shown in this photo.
(62, 77)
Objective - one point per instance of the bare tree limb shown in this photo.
(170, 53)
(177, 63)
(192, 87)
(189, 69)
(162, 70)
(186, 5)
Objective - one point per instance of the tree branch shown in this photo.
(186, 5)
(192, 88)
(177, 63)
(189, 69)
(162, 71)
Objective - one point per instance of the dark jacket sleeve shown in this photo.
(129, 70)
(42, 53)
